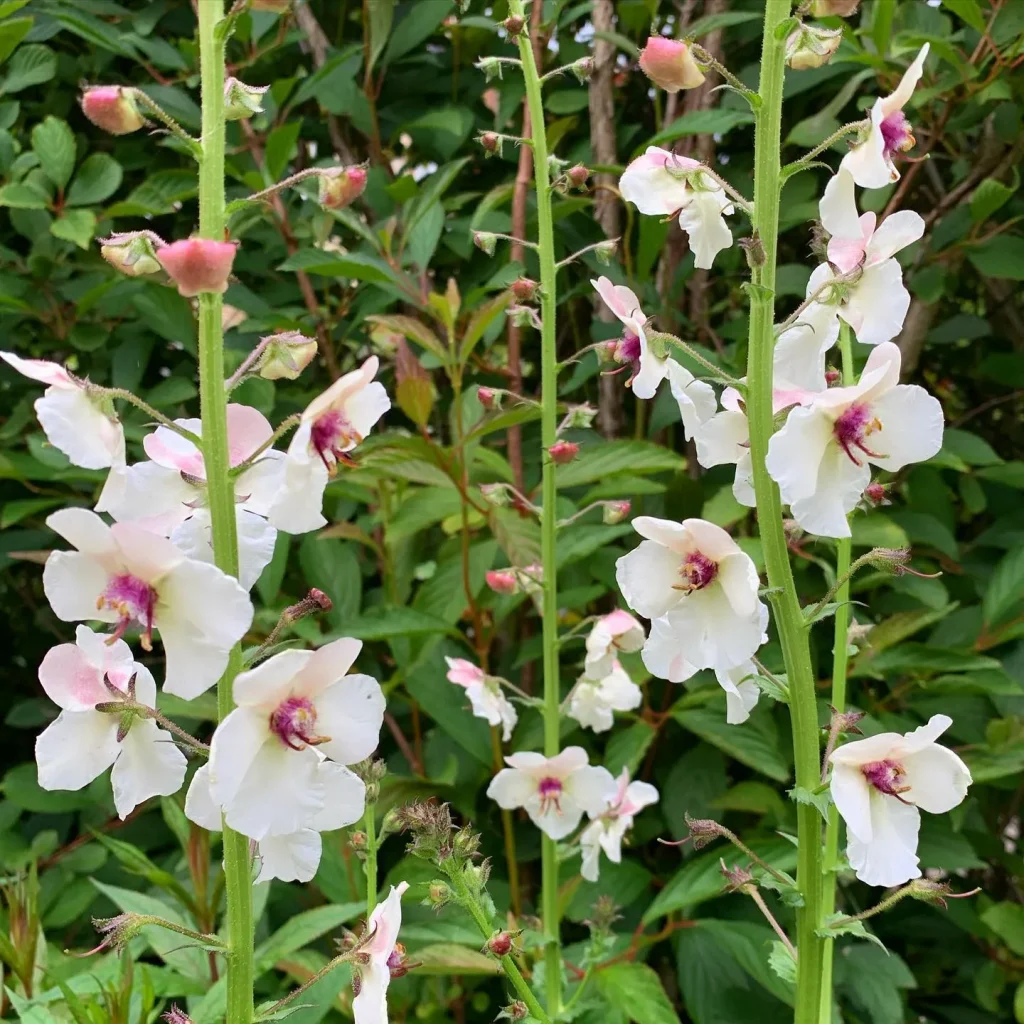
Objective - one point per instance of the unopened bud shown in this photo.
(737, 878)
(495, 494)
(811, 46)
(702, 831)
(438, 894)
(315, 601)
(176, 1016)
(615, 511)
(118, 931)
(524, 289)
(753, 248)
(876, 493)
(516, 1010)
(937, 893)
(112, 108)
(834, 8)
(524, 316)
(858, 633)
(491, 142)
(490, 66)
(466, 843)
(580, 417)
(845, 721)
(582, 69)
(341, 186)
(499, 944)
(832, 376)
(485, 241)
(577, 175)
(604, 252)
(669, 64)
(357, 840)
(514, 25)
(241, 101)
(198, 265)
(563, 452)
(286, 355)
(502, 581)
(489, 398)
(133, 252)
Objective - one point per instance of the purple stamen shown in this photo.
(628, 348)
(330, 434)
(698, 571)
(896, 133)
(852, 427)
(293, 722)
(134, 600)
(885, 776)
(550, 790)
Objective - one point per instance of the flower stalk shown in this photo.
(213, 401)
(788, 616)
(549, 522)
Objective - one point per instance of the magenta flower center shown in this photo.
(896, 134)
(852, 429)
(134, 600)
(628, 348)
(886, 776)
(397, 966)
(293, 721)
(332, 434)
(550, 790)
(697, 572)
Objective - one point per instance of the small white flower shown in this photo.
(822, 456)
(741, 692)
(484, 694)
(700, 589)
(695, 398)
(85, 429)
(167, 494)
(125, 575)
(294, 857)
(662, 184)
(594, 701)
(648, 370)
(870, 162)
(554, 791)
(332, 425)
(879, 783)
(613, 633)
(264, 763)
(608, 828)
(370, 1005)
(83, 743)
(877, 301)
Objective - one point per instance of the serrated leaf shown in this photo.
(781, 961)
(54, 143)
(839, 924)
(97, 179)
(636, 990)
(822, 801)
(31, 64)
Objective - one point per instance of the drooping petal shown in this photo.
(743, 482)
(590, 846)
(235, 744)
(290, 858)
(199, 804)
(646, 576)
(695, 398)
(737, 575)
(587, 707)
(651, 188)
(79, 428)
(665, 653)
(723, 439)
(149, 765)
(877, 303)
(895, 233)
(344, 796)
(351, 713)
(796, 451)
(622, 301)
(705, 226)
(937, 778)
(297, 508)
(839, 485)
(801, 350)
(256, 542)
(741, 692)
(890, 858)
(652, 369)
(838, 207)
(866, 162)
(912, 425)
(76, 748)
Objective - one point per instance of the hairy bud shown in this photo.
(811, 46)
(832, 376)
(439, 893)
(499, 944)
(286, 355)
(341, 186)
(737, 878)
(578, 175)
(485, 241)
(133, 252)
(604, 914)
(753, 248)
(580, 417)
(833, 8)
(489, 398)
(502, 581)
(241, 101)
(669, 64)
(583, 69)
(495, 494)
(112, 108)
(937, 893)
(516, 1010)
(524, 289)
(490, 142)
(490, 66)
(176, 1016)
(563, 452)
(702, 831)
(514, 25)
(845, 721)
(198, 265)
(604, 253)
(615, 512)
(876, 494)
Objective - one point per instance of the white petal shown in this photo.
(267, 684)
(258, 487)
(591, 787)
(695, 398)
(851, 794)
(291, 858)
(838, 207)
(710, 633)
(385, 924)
(665, 653)
(297, 508)
(155, 497)
(737, 576)
(75, 748)
(511, 788)
(705, 226)
(877, 304)
(72, 582)
(351, 713)
(743, 482)
(898, 99)
(39, 369)
(344, 797)
(587, 707)
(646, 576)
(235, 744)
(801, 350)
(622, 301)
(590, 847)
(84, 530)
(710, 539)
(618, 691)
(938, 779)
(256, 541)
(866, 162)
(366, 407)
(650, 187)
(796, 451)
(741, 692)
(555, 819)
(652, 369)
(149, 765)
(912, 424)
(371, 1005)
(723, 439)
(896, 232)
(839, 486)
(327, 666)
(71, 680)
(890, 858)
(199, 805)
(75, 425)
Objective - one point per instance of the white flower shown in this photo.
(662, 184)
(701, 590)
(332, 425)
(879, 783)
(613, 633)
(264, 764)
(125, 574)
(484, 694)
(741, 692)
(167, 495)
(870, 161)
(554, 791)
(83, 743)
(84, 428)
(876, 301)
(294, 857)
(695, 398)
(607, 829)
(798, 360)
(648, 370)
(822, 456)
(593, 701)
(370, 1005)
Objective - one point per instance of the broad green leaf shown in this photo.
(924, 659)
(481, 319)
(1006, 919)
(718, 121)
(1002, 257)
(749, 944)
(725, 19)
(97, 179)
(54, 143)
(419, 22)
(636, 990)
(22, 195)
(388, 623)
(31, 64)
(354, 265)
(76, 226)
(447, 958)
(755, 743)
(990, 196)
(12, 32)
(413, 329)
(302, 929)
(422, 508)
(1005, 588)
(333, 566)
(627, 747)
(600, 459)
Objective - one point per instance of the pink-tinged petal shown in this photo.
(890, 858)
(70, 680)
(665, 653)
(866, 162)
(896, 232)
(351, 713)
(342, 389)
(385, 923)
(116, 660)
(149, 765)
(248, 429)
(912, 425)
(39, 369)
(464, 673)
(705, 226)
(199, 805)
(75, 749)
(622, 301)
(291, 858)
(847, 254)
(198, 265)
(669, 64)
(172, 451)
(899, 98)
(651, 188)
(271, 681)
(838, 208)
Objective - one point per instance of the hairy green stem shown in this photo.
(370, 826)
(213, 401)
(839, 667)
(549, 522)
(155, 414)
(789, 619)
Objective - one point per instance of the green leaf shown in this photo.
(415, 330)
(423, 507)
(54, 143)
(22, 195)
(781, 961)
(822, 801)
(747, 943)
(11, 33)
(834, 925)
(355, 265)
(726, 19)
(444, 958)
(387, 623)
(1002, 256)
(302, 929)
(755, 743)
(968, 10)
(989, 197)
(418, 24)
(281, 145)
(1005, 588)
(31, 64)
(636, 990)
(76, 226)
(718, 120)
(627, 747)
(599, 460)
(481, 319)
(333, 566)
(381, 14)
(97, 179)
(1006, 919)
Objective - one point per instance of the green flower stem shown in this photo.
(213, 402)
(156, 415)
(549, 522)
(370, 827)
(788, 617)
(839, 666)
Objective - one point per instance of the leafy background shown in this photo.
(410, 534)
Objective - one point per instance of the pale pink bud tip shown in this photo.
(875, 492)
(502, 581)
(616, 511)
(832, 377)
(577, 176)
(112, 108)
(669, 64)
(198, 264)
(562, 452)
(488, 397)
(341, 186)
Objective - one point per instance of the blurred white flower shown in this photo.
(167, 494)
(371, 979)
(613, 633)
(265, 770)
(607, 829)
(594, 701)
(822, 456)
(126, 575)
(554, 791)
(484, 694)
(82, 742)
(332, 425)
(879, 783)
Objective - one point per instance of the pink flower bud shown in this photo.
(485, 241)
(669, 64)
(875, 493)
(491, 142)
(500, 944)
(524, 289)
(832, 377)
(514, 25)
(241, 101)
(502, 581)
(489, 398)
(286, 355)
(577, 176)
(198, 264)
(615, 512)
(112, 108)
(341, 186)
(133, 252)
(176, 1016)
(562, 452)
